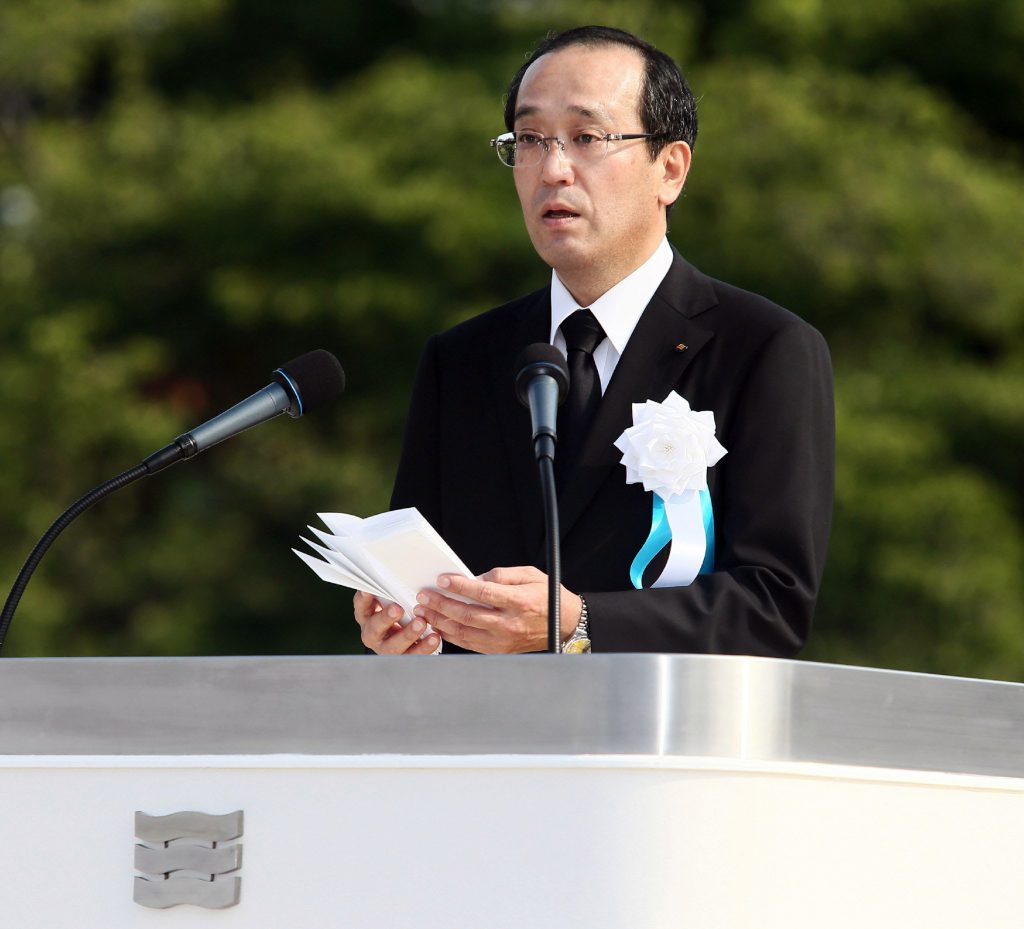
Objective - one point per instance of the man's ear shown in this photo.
(674, 160)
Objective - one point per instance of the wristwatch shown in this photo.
(579, 642)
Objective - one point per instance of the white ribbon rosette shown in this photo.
(669, 449)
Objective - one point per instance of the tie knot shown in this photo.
(582, 332)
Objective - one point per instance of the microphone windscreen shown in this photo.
(315, 378)
(541, 358)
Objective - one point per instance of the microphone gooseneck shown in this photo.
(300, 386)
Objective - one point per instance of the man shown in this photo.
(604, 127)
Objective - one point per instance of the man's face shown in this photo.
(593, 222)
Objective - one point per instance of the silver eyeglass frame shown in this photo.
(546, 141)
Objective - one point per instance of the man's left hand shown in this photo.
(508, 613)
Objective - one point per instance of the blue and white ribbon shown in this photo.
(687, 523)
(669, 449)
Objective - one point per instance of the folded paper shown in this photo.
(392, 555)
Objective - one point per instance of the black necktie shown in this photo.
(583, 333)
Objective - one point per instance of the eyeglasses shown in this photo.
(527, 149)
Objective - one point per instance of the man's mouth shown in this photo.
(560, 214)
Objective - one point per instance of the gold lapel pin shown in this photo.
(681, 347)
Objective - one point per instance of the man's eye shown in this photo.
(526, 139)
(584, 139)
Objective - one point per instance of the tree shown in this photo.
(192, 193)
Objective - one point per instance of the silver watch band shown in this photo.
(579, 642)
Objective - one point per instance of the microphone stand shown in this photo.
(155, 462)
(553, 548)
(60, 524)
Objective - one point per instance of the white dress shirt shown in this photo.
(618, 311)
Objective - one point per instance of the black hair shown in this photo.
(668, 109)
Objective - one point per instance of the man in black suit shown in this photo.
(601, 129)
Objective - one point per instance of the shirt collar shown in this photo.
(619, 309)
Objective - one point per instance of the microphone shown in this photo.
(541, 385)
(300, 386)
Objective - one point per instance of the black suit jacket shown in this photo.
(467, 464)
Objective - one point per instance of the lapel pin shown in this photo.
(681, 347)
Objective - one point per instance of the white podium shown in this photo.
(543, 792)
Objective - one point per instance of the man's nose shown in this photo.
(556, 167)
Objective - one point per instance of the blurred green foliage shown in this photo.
(193, 191)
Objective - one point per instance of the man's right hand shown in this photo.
(381, 631)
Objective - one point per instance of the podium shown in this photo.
(600, 791)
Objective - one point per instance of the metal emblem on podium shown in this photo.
(188, 857)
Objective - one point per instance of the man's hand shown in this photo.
(509, 612)
(384, 634)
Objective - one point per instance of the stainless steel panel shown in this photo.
(212, 895)
(202, 827)
(682, 705)
(188, 858)
(916, 721)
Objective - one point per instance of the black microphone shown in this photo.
(541, 385)
(300, 386)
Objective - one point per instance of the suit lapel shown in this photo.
(531, 323)
(663, 344)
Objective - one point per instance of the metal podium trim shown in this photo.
(669, 705)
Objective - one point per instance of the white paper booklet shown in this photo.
(392, 555)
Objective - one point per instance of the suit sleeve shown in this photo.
(773, 509)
